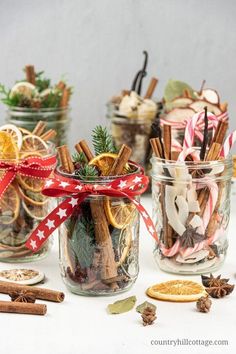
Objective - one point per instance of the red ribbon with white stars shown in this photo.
(35, 167)
(75, 192)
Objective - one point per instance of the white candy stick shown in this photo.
(183, 208)
(171, 211)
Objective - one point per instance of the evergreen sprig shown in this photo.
(79, 157)
(102, 141)
(41, 82)
(87, 172)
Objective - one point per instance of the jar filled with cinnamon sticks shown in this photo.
(35, 99)
(99, 241)
(191, 199)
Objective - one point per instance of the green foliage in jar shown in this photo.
(102, 141)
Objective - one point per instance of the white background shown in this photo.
(81, 325)
(99, 44)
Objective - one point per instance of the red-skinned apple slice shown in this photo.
(180, 114)
(199, 105)
(210, 96)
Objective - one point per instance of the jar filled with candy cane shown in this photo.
(191, 201)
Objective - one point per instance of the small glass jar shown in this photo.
(56, 118)
(99, 245)
(134, 132)
(22, 207)
(191, 210)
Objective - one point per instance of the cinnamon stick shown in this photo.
(39, 293)
(23, 308)
(30, 74)
(151, 88)
(167, 141)
(125, 93)
(39, 128)
(155, 147)
(65, 97)
(121, 160)
(65, 159)
(48, 135)
(224, 106)
(86, 150)
(61, 85)
(78, 148)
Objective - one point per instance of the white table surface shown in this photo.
(81, 324)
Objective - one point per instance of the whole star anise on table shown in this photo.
(190, 237)
(22, 296)
(217, 287)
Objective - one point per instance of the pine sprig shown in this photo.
(87, 172)
(79, 157)
(102, 141)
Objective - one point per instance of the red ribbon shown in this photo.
(75, 191)
(35, 167)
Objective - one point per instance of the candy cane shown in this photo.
(170, 252)
(189, 151)
(190, 129)
(229, 142)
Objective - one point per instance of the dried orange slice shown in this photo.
(104, 163)
(8, 147)
(14, 132)
(23, 88)
(33, 143)
(177, 291)
(38, 212)
(118, 213)
(9, 206)
(25, 131)
(29, 183)
(35, 199)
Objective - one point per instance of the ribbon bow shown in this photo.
(35, 167)
(75, 192)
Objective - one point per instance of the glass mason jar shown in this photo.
(99, 245)
(22, 207)
(56, 118)
(191, 210)
(134, 132)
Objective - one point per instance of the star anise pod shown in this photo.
(22, 296)
(220, 291)
(190, 237)
(212, 281)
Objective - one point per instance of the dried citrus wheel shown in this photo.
(14, 132)
(38, 212)
(125, 244)
(119, 213)
(32, 198)
(177, 291)
(29, 183)
(104, 163)
(23, 88)
(9, 206)
(33, 143)
(25, 131)
(8, 147)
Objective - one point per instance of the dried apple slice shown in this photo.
(180, 102)
(199, 105)
(210, 96)
(180, 114)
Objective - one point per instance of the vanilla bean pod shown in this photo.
(205, 136)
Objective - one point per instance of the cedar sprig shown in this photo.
(102, 141)
(87, 172)
(41, 82)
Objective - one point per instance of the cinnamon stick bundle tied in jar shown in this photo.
(191, 198)
(99, 241)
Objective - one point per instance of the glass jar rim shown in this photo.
(100, 179)
(37, 110)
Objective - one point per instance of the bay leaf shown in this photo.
(145, 304)
(122, 306)
(176, 89)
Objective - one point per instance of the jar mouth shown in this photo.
(37, 110)
(136, 169)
